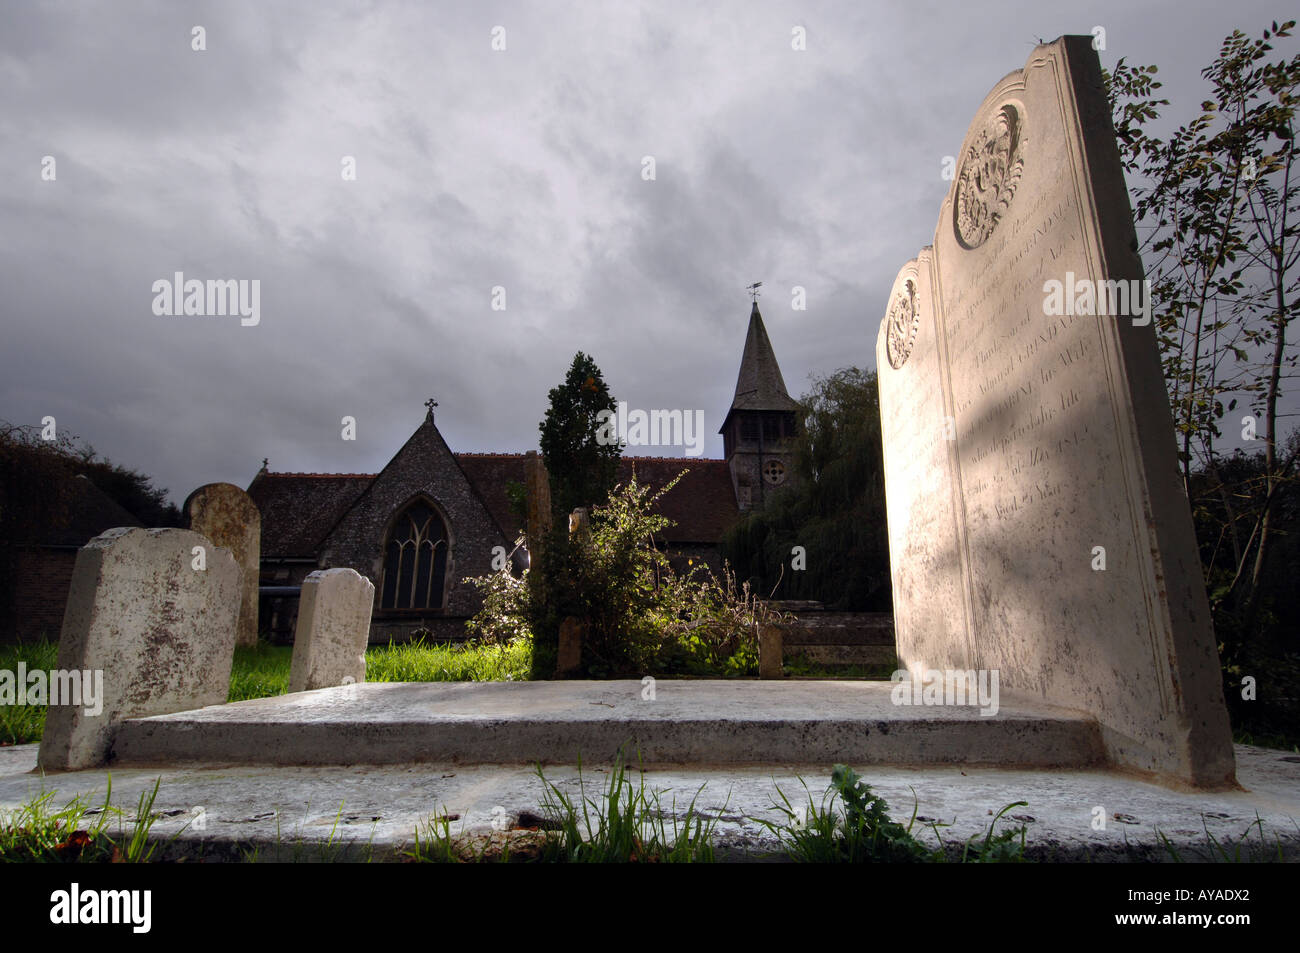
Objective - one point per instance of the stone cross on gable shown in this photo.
(430, 404)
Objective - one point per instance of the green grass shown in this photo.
(262, 671)
(623, 823)
(37, 832)
(472, 662)
(1224, 849)
(21, 724)
(860, 831)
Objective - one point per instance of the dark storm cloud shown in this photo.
(476, 169)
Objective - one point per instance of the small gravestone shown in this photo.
(771, 645)
(1036, 523)
(329, 644)
(154, 611)
(228, 516)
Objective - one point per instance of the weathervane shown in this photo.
(753, 290)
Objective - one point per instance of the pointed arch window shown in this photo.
(415, 559)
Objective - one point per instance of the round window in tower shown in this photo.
(774, 472)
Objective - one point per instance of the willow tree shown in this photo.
(825, 537)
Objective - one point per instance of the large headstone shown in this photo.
(154, 611)
(228, 516)
(329, 644)
(1036, 522)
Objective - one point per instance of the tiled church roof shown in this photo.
(299, 509)
(703, 504)
(489, 473)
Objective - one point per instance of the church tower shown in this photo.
(758, 433)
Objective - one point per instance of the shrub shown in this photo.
(640, 616)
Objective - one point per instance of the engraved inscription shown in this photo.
(1017, 370)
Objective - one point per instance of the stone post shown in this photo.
(771, 644)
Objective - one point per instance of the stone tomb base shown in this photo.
(686, 721)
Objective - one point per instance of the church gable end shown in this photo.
(424, 470)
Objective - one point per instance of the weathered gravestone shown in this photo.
(228, 516)
(329, 644)
(155, 611)
(1036, 522)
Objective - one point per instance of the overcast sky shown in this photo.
(476, 168)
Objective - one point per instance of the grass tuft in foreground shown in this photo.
(862, 832)
(626, 823)
(77, 833)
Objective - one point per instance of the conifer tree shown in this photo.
(582, 469)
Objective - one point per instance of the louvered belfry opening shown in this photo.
(415, 559)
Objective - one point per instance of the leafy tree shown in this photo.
(1218, 200)
(34, 491)
(582, 468)
(37, 493)
(836, 512)
(1265, 652)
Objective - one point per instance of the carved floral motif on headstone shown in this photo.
(990, 171)
(904, 321)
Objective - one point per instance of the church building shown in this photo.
(432, 518)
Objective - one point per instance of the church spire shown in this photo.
(759, 431)
(759, 386)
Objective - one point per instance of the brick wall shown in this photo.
(42, 579)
